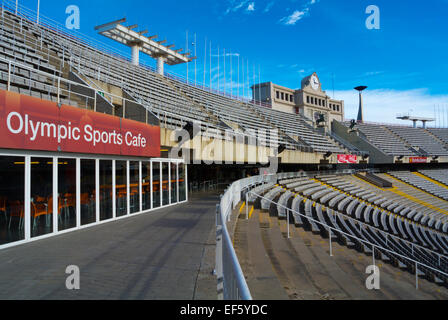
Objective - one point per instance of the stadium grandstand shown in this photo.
(306, 191)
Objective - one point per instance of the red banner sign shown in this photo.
(347, 158)
(418, 160)
(34, 124)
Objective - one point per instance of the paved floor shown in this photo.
(166, 254)
(300, 268)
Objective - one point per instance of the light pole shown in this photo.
(360, 89)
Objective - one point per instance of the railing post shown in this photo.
(329, 238)
(287, 222)
(247, 204)
(9, 75)
(373, 254)
(59, 89)
(416, 275)
(94, 100)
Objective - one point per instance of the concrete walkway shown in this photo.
(165, 254)
(300, 268)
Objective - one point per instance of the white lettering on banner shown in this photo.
(135, 141)
(8, 123)
(17, 124)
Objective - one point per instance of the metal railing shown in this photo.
(72, 35)
(347, 144)
(203, 186)
(374, 246)
(231, 282)
(58, 89)
(74, 44)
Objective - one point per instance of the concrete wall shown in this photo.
(376, 155)
(223, 151)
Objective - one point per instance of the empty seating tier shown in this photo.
(363, 216)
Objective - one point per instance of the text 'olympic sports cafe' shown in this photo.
(63, 168)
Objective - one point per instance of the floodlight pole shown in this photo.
(360, 89)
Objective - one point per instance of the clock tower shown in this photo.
(310, 101)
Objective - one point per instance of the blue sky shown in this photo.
(404, 63)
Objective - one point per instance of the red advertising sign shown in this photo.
(35, 124)
(347, 158)
(418, 160)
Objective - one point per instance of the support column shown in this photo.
(160, 65)
(135, 54)
(415, 123)
(360, 111)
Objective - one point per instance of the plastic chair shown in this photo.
(3, 206)
(16, 210)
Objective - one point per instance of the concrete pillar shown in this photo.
(360, 111)
(135, 54)
(415, 123)
(160, 65)
(424, 124)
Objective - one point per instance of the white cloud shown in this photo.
(383, 105)
(236, 5)
(293, 18)
(251, 7)
(297, 15)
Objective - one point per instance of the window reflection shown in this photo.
(182, 183)
(88, 192)
(156, 188)
(67, 194)
(105, 189)
(12, 193)
(41, 196)
(173, 182)
(165, 183)
(160, 176)
(146, 185)
(134, 195)
(121, 193)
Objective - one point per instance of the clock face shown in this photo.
(314, 82)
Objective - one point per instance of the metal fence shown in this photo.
(209, 185)
(423, 264)
(231, 281)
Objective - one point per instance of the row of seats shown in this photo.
(420, 138)
(97, 65)
(441, 134)
(317, 207)
(405, 141)
(437, 175)
(383, 139)
(421, 183)
(173, 101)
(26, 56)
(234, 113)
(407, 202)
(296, 126)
